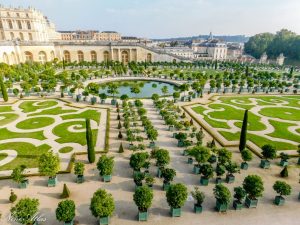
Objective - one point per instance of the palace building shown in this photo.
(28, 35)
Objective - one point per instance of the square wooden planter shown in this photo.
(185, 152)
(69, 223)
(166, 186)
(204, 181)
(175, 212)
(237, 205)
(230, 179)
(107, 178)
(24, 184)
(244, 166)
(180, 143)
(52, 181)
(298, 161)
(284, 163)
(251, 203)
(152, 144)
(171, 128)
(196, 169)
(221, 207)
(190, 160)
(197, 209)
(79, 179)
(219, 180)
(104, 220)
(279, 200)
(265, 164)
(158, 173)
(143, 216)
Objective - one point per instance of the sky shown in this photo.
(170, 18)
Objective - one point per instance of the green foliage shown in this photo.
(79, 168)
(65, 211)
(258, 44)
(198, 196)
(89, 141)
(138, 160)
(253, 186)
(246, 155)
(243, 137)
(24, 210)
(284, 172)
(220, 169)
(3, 89)
(222, 194)
(17, 174)
(102, 204)
(200, 153)
(232, 168)
(207, 171)
(13, 197)
(105, 165)
(239, 193)
(162, 157)
(176, 195)
(49, 164)
(168, 174)
(282, 188)
(66, 192)
(269, 151)
(224, 155)
(143, 197)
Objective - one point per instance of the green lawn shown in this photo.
(28, 154)
(7, 118)
(281, 113)
(5, 109)
(6, 134)
(281, 131)
(35, 123)
(66, 149)
(28, 106)
(54, 111)
(66, 136)
(88, 114)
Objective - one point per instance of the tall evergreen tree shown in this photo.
(3, 89)
(243, 137)
(89, 141)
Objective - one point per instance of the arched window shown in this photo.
(30, 36)
(13, 58)
(52, 55)
(22, 36)
(10, 25)
(125, 57)
(19, 25)
(5, 58)
(28, 57)
(93, 56)
(106, 56)
(67, 56)
(28, 25)
(1, 25)
(80, 56)
(42, 57)
(149, 57)
(12, 36)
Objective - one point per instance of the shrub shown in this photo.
(66, 192)
(224, 155)
(239, 193)
(102, 204)
(162, 157)
(143, 197)
(168, 174)
(200, 153)
(198, 196)
(138, 160)
(222, 194)
(65, 211)
(176, 195)
(220, 169)
(269, 151)
(13, 197)
(232, 168)
(17, 174)
(150, 180)
(138, 178)
(284, 172)
(207, 171)
(246, 155)
(79, 168)
(49, 164)
(105, 165)
(24, 210)
(282, 188)
(253, 186)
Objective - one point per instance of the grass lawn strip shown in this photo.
(54, 111)
(6, 134)
(35, 123)
(5, 109)
(7, 118)
(281, 131)
(88, 114)
(281, 113)
(31, 106)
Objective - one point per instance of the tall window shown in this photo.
(12, 36)
(149, 57)
(125, 57)
(80, 56)
(1, 25)
(19, 25)
(67, 56)
(93, 56)
(22, 36)
(10, 25)
(42, 57)
(28, 57)
(30, 36)
(106, 56)
(28, 25)
(52, 55)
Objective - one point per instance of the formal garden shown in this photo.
(210, 142)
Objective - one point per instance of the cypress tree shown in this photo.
(89, 141)
(247, 71)
(243, 137)
(3, 89)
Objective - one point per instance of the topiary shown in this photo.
(121, 149)
(65, 211)
(66, 192)
(102, 204)
(13, 197)
(105, 165)
(222, 194)
(143, 197)
(120, 135)
(176, 195)
(284, 172)
(254, 186)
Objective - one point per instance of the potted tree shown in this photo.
(143, 197)
(207, 172)
(283, 189)
(102, 206)
(152, 135)
(105, 165)
(25, 210)
(181, 137)
(284, 159)
(79, 171)
(49, 166)
(201, 155)
(138, 160)
(199, 198)
(223, 196)
(254, 188)
(176, 197)
(231, 168)
(224, 156)
(268, 152)
(239, 195)
(149, 181)
(138, 179)
(168, 174)
(162, 157)
(65, 212)
(247, 157)
(18, 176)
(220, 170)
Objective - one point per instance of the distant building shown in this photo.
(181, 51)
(90, 35)
(280, 59)
(210, 50)
(234, 50)
(264, 58)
